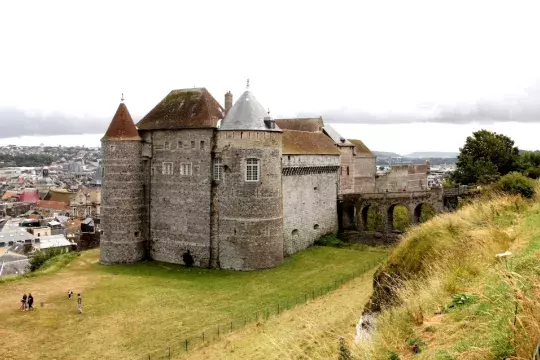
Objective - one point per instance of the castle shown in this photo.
(230, 188)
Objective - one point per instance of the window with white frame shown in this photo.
(218, 169)
(253, 169)
(186, 169)
(167, 168)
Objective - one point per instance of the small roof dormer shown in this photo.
(247, 114)
(122, 126)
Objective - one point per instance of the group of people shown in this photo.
(27, 302)
(79, 300)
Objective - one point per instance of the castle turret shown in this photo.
(122, 206)
(247, 171)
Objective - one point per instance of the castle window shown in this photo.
(218, 169)
(167, 168)
(179, 145)
(253, 169)
(186, 169)
(193, 144)
(347, 170)
(202, 145)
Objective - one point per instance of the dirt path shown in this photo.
(310, 331)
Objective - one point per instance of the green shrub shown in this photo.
(38, 259)
(393, 355)
(332, 241)
(516, 184)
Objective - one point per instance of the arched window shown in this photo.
(253, 169)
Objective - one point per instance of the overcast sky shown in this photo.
(429, 71)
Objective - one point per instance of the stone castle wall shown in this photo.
(122, 204)
(364, 174)
(408, 177)
(310, 185)
(250, 214)
(179, 215)
(346, 173)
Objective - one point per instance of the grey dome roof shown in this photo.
(246, 114)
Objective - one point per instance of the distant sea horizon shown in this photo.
(87, 140)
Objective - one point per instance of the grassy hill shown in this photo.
(131, 311)
(444, 294)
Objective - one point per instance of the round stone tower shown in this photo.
(247, 160)
(122, 192)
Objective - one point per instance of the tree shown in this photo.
(485, 157)
(530, 164)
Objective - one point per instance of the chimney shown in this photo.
(228, 102)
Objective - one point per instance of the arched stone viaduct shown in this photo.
(353, 208)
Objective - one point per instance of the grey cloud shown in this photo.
(524, 109)
(15, 123)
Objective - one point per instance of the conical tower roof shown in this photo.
(122, 126)
(246, 114)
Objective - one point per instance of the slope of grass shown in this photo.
(134, 310)
(443, 293)
(305, 332)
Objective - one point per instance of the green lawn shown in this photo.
(133, 310)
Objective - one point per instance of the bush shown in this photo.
(332, 241)
(38, 259)
(516, 184)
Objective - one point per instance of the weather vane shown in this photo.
(268, 111)
(122, 98)
(247, 84)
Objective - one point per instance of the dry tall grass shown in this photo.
(445, 295)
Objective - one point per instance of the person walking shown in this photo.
(70, 294)
(23, 302)
(30, 302)
(79, 303)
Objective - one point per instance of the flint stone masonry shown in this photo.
(180, 204)
(250, 212)
(122, 202)
(309, 205)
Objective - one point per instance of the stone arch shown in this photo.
(398, 217)
(423, 212)
(349, 214)
(372, 218)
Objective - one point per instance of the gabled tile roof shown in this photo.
(122, 126)
(54, 205)
(29, 196)
(184, 109)
(307, 143)
(301, 124)
(361, 148)
(60, 195)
